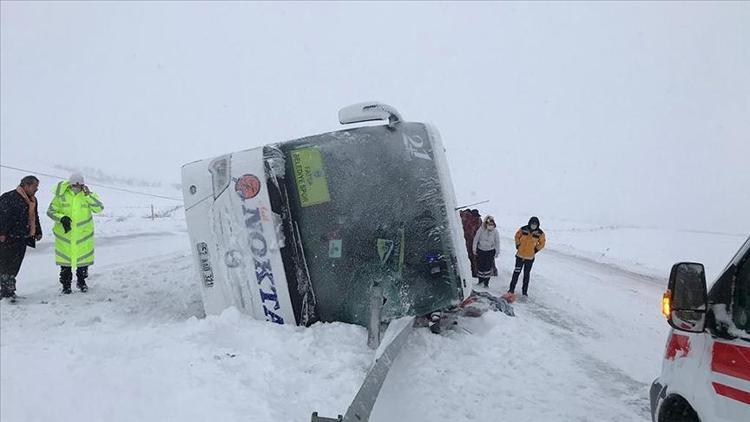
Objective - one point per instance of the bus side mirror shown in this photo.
(367, 112)
(686, 301)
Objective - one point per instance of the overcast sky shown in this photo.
(615, 113)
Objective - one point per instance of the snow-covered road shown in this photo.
(583, 348)
(136, 347)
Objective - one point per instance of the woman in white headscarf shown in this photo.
(486, 248)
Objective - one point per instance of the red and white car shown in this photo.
(706, 370)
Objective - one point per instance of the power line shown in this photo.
(471, 205)
(92, 184)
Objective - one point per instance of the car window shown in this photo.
(741, 302)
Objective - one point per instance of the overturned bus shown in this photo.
(321, 228)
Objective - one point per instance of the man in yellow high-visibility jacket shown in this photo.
(72, 210)
(530, 239)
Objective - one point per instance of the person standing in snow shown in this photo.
(72, 210)
(530, 240)
(19, 228)
(486, 248)
(471, 221)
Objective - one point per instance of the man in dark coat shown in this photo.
(471, 221)
(19, 228)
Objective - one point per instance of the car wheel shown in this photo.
(677, 409)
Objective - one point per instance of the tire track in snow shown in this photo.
(609, 378)
(602, 266)
(597, 310)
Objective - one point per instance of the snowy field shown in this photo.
(137, 346)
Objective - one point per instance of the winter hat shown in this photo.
(534, 220)
(76, 179)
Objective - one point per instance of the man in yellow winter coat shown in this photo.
(72, 210)
(530, 239)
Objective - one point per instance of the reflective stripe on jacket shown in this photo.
(76, 247)
(529, 242)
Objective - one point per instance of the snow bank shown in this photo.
(228, 367)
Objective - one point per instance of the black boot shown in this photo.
(66, 276)
(11, 290)
(81, 274)
(3, 286)
(8, 287)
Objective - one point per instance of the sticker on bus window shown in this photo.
(310, 176)
(385, 247)
(334, 248)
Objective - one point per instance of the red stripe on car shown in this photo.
(732, 360)
(732, 393)
(678, 344)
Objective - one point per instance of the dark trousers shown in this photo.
(12, 252)
(485, 261)
(524, 264)
(66, 275)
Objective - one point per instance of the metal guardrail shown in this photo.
(364, 401)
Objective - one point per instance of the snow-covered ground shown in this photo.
(644, 250)
(137, 346)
